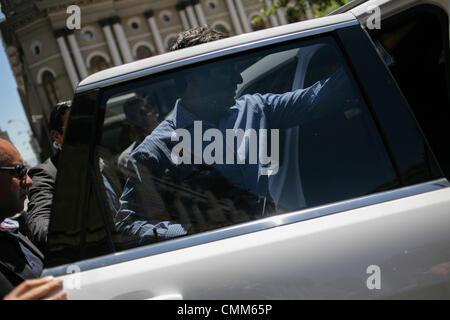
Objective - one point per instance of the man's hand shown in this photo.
(37, 289)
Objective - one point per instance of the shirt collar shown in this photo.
(183, 118)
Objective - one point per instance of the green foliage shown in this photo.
(299, 8)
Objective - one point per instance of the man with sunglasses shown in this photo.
(20, 259)
(44, 176)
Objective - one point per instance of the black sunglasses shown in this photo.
(19, 171)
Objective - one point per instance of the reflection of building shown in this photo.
(49, 60)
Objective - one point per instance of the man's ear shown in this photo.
(56, 136)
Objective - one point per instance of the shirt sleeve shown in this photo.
(304, 105)
(140, 203)
(40, 197)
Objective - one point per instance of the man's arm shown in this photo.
(141, 203)
(301, 106)
(40, 198)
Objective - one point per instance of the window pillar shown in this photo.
(182, 13)
(155, 31)
(234, 17)
(117, 60)
(191, 15)
(68, 63)
(77, 55)
(309, 14)
(244, 19)
(122, 39)
(273, 19)
(199, 11)
(281, 13)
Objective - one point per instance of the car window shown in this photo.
(236, 139)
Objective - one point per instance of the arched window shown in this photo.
(49, 83)
(98, 63)
(258, 23)
(143, 52)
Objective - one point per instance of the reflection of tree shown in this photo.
(301, 7)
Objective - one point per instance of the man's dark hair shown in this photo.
(194, 36)
(57, 114)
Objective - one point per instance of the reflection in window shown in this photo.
(98, 63)
(143, 52)
(325, 146)
(49, 83)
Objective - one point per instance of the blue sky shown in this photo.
(11, 109)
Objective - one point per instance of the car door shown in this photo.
(373, 221)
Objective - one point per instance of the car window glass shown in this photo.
(237, 139)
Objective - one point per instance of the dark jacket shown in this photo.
(40, 198)
(14, 268)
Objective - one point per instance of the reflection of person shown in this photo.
(20, 259)
(44, 176)
(142, 119)
(208, 95)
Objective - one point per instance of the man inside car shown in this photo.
(208, 95)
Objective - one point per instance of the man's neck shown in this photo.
(201, 112)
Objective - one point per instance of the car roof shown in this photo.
(214, 46)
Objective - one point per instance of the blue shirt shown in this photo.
(140, 202)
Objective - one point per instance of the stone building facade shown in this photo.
(49, 60)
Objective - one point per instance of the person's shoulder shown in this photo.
(153, 142)
(44, 169)
(250, 102)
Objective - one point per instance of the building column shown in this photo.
(68, 63)
(244, 19)
(281, 13)
(309, 14)
(122, 39)
(191, 15)
(199, 10)
(77, 55)
(155, 31)
(234, 17)
(273, 18)
(114, 51)
(182, 13)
